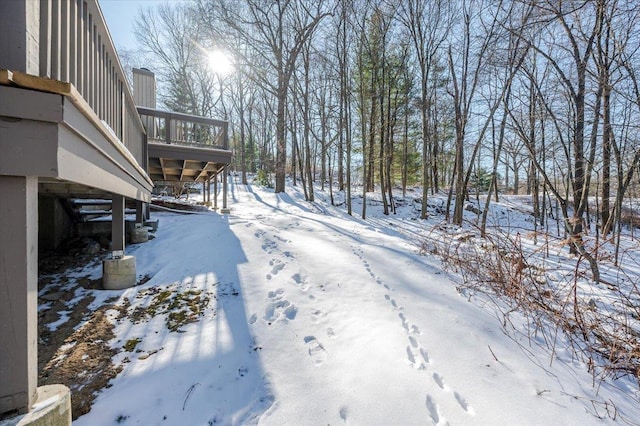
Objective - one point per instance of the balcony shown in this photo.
(184, 147)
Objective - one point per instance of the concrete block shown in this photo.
(139, 235)
(152, 223)
(118, 274)
(51, 408)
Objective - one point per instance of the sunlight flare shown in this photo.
(220, 62)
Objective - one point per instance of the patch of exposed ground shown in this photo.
(180, 308)
(83, 362)
(74, 341)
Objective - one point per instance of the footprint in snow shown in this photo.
(269, 246)
(276, 310)
(464, 404)
(252, 319)
(434, 411)
(440, 382)
(277, 266)
(279, 308)
(343, 413)
(316, 315)
(425, 356)
(411, 357)
(317, 352)
(275, 294)
(300, 281)
(331, 333)
(405, 323)
(413, 342)
(282, 240)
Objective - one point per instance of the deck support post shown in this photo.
(225, 209)
(119, 272)
(18, 293)
(117, 225)
(215, 192)
(141, 214)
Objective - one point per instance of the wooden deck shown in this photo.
(184, 147)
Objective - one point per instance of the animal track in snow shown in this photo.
(440, 382)
(410, 356)
(417, 356)
(405, 323)
(317, 352)
(252, 319)
(434, 412)
(292, 225)
(464, 404)
(343, 413)
(425, 356)
(331, 333)
(413, 341)
(316, 315)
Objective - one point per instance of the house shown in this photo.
(70, 129)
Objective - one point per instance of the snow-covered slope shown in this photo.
(314, 318)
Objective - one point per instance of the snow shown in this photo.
(316, 317)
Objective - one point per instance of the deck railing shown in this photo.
(184, 129)
(76, 47)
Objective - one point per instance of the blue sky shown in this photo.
(120, 15)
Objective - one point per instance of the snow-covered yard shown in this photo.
(287, 312)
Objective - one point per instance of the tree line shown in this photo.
(453, 96)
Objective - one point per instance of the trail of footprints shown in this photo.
(278, 308)
(418, 356)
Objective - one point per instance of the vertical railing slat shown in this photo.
(63, 55)
(75, 46)
(55, 40)
(73, 42)
(45, 46)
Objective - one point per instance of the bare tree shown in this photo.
(428, 23)
(276, 31)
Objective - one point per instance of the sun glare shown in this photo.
(220, 62)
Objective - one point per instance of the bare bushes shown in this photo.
(554, 294)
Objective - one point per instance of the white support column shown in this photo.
(18, 293)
